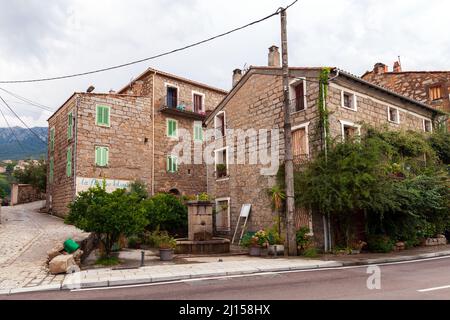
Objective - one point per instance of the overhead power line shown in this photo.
(12, 131)
(28, 101)
(152, 57)
(20, 119)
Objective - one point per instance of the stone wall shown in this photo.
(61, 191)
(25, 193)
(256, 104)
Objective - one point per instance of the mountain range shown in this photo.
(21, 143)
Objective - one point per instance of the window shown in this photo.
(172, 128)
(350, 131)
(69, 162)
(298, 95)
(220, 125)
(171, 96)
(393, 115)
(51, 168)
(435, 93)
(52, 139)
(221, 162)
(70, 126)
(348, 100)
(300, 144)
(103, 116)
(198, 131)
(427, 125)
(198, 101)
(101, 156)
(222, 216)
(172, 164)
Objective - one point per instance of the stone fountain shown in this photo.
(200, 236)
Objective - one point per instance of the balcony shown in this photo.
(181, 108)
(300, 161)
(297, 105)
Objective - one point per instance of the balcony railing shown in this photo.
(300, 161)
(180, 107)
(297, 105)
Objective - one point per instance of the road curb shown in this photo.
(149, 279)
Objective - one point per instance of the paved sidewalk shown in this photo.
(25, 237)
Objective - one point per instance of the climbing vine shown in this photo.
(324, 125)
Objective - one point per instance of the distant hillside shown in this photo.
(32, 147)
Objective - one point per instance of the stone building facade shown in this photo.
(430, 87)
(256, 103)
(127, 136)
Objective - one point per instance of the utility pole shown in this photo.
(288, 157)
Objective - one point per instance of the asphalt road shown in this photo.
(429, 279)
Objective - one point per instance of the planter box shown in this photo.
(166, 254)
(254, 251)
(279, 249)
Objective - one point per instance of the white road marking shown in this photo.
(257, 274)
(434, 289)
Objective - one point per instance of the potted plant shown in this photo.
(275, 241)
(166, 245)
(356, 246)
(258, 241)
(303, 239)
(221, 170)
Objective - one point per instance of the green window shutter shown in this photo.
(198, 133)
(52, 139)
(99, 115)
(69, 162)
(105, 156)
(70, 126)
(98, 156)
(175, 164)
(106, 116)
(172, 128)
(51, 170)
(172, 164)
(169, 163)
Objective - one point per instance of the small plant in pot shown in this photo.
(275, 240)
(356, 246)
(166, 245)
(258, 241)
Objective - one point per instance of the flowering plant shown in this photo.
(260, 239)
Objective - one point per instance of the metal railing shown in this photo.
(167, 102)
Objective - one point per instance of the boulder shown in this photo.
(56, 251)
(399, 246)
(61, 264)
(77, 256)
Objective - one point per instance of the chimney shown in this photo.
(112, 91)
(380, 68)
(90, 89)
(397, 66)
(274, 57)
(237, 75)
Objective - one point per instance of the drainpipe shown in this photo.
(75, 149)
(153, 133)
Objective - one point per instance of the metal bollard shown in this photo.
(276, 251)
(142, 258)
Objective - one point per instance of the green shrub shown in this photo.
(107, 214)
(140, 189)
(165, 212)
(246, 240)
(310, 252)
(380, 244)
(303, 237)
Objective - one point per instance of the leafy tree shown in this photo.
(34, 173)
(440, 142)
(140, 189)
(395, 178)
(165, 212)
(108, 214)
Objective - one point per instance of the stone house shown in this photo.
(256, 103)
(430, 87)
(129, 135)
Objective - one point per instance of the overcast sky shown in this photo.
(56, 37)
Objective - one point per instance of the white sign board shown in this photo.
(83, 184)
(245, 211)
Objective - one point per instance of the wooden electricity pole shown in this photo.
(288, 158)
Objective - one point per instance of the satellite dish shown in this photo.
(90, 89)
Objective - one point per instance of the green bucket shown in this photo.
(70, 246)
